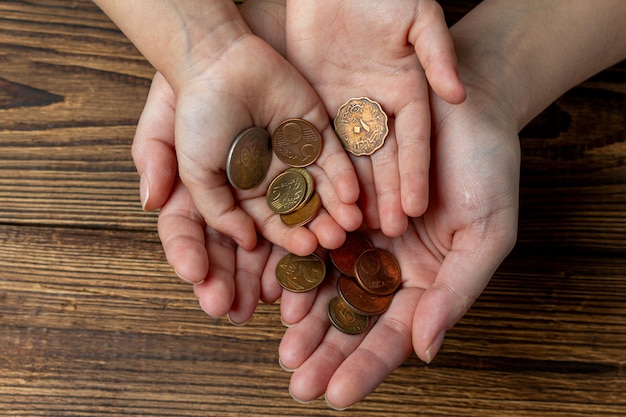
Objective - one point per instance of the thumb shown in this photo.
(153, 145)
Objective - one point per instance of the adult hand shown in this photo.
(389, 52)
(447, 257)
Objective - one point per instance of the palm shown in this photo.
(372, 55)
(447, 257)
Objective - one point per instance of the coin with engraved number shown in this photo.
(286, 192)
(300, 273)
(361, 125)
(378, 271)
(297, 142)
(310, 184)
(359, 300)
(345, 319)
(305, 214)
(344, 258)
(249, 158)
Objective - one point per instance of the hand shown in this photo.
(224, 79)
(447, 257)
(386, 51)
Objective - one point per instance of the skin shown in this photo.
(206, 52)
(389, 52)
(514, 59)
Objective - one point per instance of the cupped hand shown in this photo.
(248, 84)
(389, 52)
(447, 257)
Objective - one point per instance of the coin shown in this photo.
(345, 319)
(344, 258)
(361, 125)
(297, 142)
(249, 158)
(286, 192)
(360, 300)
(304, 214)
(310, 185)
(378, 271)
(300, 273)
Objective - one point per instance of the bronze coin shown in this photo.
(378, 271)
(359, 300)
(310, 185)
(344, 258)
(286, 192)
(249, 158)
(345, 319)
(361, 125)
(305, 214)
(300, 273)
(297, 142)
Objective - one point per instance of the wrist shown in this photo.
(180, 37)
(526, 54)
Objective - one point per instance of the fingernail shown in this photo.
(144, 190)
(287, 325)
(183, 278)
(434, 346)
(284, 368)
(332, 406)
(234, 323)
(296, 399)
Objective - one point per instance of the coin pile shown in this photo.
(291, 194)
(368, 279)
(361, 125)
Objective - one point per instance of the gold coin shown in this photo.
(310, 185)
(361, 125)
(304, 214)
(249, 158)
(286, 192)
(300, 273)
(378, 271)
(297, 142)
(345, 319)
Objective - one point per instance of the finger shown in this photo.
(464, 274)
(435, 49)
(384, 348)
(270, 288)
(303, 337)
(181, 230)
(249, 269)
(153, 145)
(216, 293)
(368, 201)
(393, 221)
(412, 131)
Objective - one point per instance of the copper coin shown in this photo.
(361, 125)
(378, 271)
(310, 185)
(249, 158)
(286, 192)
(305, 214)
(297, 142)
(359, 300)
(344, 258)
(300, 273)
(345, 319)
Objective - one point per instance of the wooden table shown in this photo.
(93, 322)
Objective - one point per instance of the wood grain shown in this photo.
(94, 323)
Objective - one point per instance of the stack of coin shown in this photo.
(292, 194)
(369, 278)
